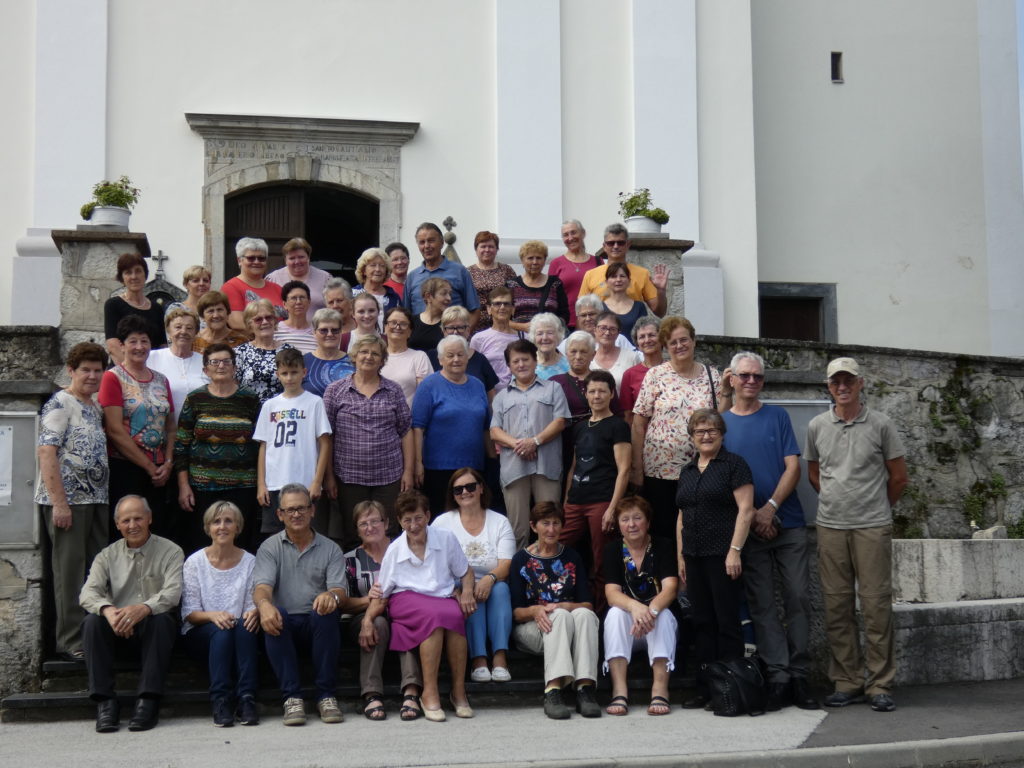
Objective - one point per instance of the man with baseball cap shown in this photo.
(855, 461)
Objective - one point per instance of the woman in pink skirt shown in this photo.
(426, 585)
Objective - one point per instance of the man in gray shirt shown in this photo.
(855, 462)
(131, 597)
(299, 585)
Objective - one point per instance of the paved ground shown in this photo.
(969, 724)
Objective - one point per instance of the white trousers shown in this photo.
(660, 641)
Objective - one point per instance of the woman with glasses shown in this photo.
(372, 272)
(488, 273)
(669, 394)
(214, 453)
(296, 330)
(715, 498)
(534, 292)
(362, 567)
(250, 284)
(406, 367)
(256, 360)
(491, 342)
(488, 542)
(328, 362)
(373, 444)
(455, 322)
(608, 356)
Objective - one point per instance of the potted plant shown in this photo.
(638, 211)
(111, 202)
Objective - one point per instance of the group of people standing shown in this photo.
(282, 429)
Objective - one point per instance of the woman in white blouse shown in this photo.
(182, 367)
(220, 620)
(487, 539)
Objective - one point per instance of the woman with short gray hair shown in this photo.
(547, 331)
(250, 284)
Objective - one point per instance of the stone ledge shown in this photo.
(947, 570)
(27, 387)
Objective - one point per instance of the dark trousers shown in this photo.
(244, 498)
(320, 636)
(661, 495)
(715, 600)
(127, 479)
(152, 641)
(232, 656)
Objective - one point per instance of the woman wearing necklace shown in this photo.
(182, 367)
(626, 309)
(372, 271)
(553, 610)
(534, 292)
(328, 362)
(214, 310)
(641, 572)
(716, 503)
(488, 273)
(132, 273)
(255, 362)
(669, 394)
(598, 473)
(573, 265)
(645, 337)
(609, 356)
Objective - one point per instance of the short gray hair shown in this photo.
(326, 315)
(294, 488)
(547, 318)
(589, 301)
(130, 497)
(251, 244)
(447, 341)
(575, 223)
(616, 229)
(338, 283)
(645, 322)
(581, 337)
(745, 355)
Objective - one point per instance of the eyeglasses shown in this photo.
(615, 243)
(220, 363)
(712, 432)
(295, 511)
(254, 259)
(607, 329)
(265, 319)
(366, 524)
(398, 326)
(499, 303)
(328, 331)
(455, 328)
(298, 298)
(751, 376)
(586, 315)
(458, 490)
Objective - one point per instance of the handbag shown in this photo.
(737, 687)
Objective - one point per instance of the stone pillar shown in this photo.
(661, 249)
(88, 278)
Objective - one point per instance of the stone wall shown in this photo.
(29, 360)
(961, 418)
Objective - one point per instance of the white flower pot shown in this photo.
(641, 225)
(110, 216)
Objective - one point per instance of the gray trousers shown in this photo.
(73, 550)
(783, 648)
(371, 662)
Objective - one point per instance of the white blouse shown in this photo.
(205, 588)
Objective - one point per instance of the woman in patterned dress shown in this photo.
(256, 360)
(670, 393)
(488, 273)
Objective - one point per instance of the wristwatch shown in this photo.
(655, 612)
(536, 442)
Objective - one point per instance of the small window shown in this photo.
(803, 311)
(837, 66)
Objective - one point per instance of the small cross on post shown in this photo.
(159, 257)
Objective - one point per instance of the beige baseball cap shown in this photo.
(840, 364)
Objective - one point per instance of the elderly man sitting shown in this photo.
(131, 595)
(299, 585)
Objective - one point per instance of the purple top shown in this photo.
(368, 431)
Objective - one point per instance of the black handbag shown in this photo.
(737, 687)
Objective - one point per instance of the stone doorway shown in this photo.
(339, 223)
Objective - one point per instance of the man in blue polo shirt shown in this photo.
(763, 435)
(430, 242)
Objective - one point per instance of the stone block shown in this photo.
(995, 532)
(20, 625)
(946, 570)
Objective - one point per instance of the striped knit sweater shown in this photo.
(214, 441)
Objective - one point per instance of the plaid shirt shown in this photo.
(368, 431)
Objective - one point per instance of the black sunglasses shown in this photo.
(458, 490)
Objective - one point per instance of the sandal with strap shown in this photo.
(374, 712)
(618, 706)
(659, 706)
(410, 711)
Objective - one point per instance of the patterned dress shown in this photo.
(485, 281)
(256, 369)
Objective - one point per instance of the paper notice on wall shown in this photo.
(6, 465)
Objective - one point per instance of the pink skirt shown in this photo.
(415, 616)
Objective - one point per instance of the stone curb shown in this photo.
(987, 750)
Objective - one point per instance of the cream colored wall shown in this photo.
(17, 56)
(426, 62)
(875, 184)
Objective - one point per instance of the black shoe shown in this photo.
(145, 715)
(801, 695)
(842, 699)
(778, 696)
(223, 716)
(882, 702)
(248, 710)
(700, 701)
(554, 707)
(586, 704)
(108, 716)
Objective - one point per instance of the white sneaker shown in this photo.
(481, 675)
(500, 675)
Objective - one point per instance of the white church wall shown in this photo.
(875, 184)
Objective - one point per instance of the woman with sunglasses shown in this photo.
(488, 542)
(256, 360)
(250, 284)
(328, 362)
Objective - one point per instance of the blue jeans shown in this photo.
(316, 634)
(492, 621)
(231, 654)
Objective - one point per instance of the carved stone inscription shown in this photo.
(220, 151)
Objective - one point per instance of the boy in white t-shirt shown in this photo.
(295, 444)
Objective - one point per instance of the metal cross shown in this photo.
(159, 257)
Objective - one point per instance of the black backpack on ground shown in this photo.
(737, 687)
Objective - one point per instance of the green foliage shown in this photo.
(909, 522)
(984, 494)
(114, 194)
(639, 203)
